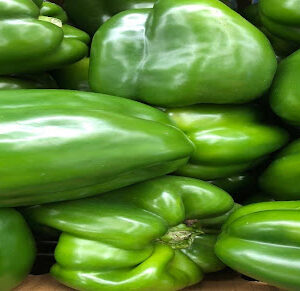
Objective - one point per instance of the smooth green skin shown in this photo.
(60, 145)
(171, 55)
(282, 177)
(74, 77)
(29, 44)
(262, 241)
(285, 90)
(17, 249)
(282, 18)
(89, 15)
(53, 10)
(281, 46)
(29, 81)
(229, 139)
(114, 241)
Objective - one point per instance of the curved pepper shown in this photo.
(28, 81)
(229, 139)
(17, 249)
(175, 53)
(282, 18)
(261, 241)
(74, 76)
(52, 10)
(61, 145)
(282, 178)
(31, 41)
(285, 90)
(146, 236)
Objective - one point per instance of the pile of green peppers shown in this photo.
(146, 143)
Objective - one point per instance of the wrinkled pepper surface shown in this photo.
(33, 41)
(285, 90)
(229, 139)
(261, 241)
(60, 145)
(74, 76)
(17, 249)
(175, 53)
(149, 236)
(282, 177)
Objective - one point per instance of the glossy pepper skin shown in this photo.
(74, 76)
(261, 241)
(229, 139)
(28, 81)
(281, 18)
(89, 15)
(17, 249)
(281, 179)
(170, 55)
(285, 91)
(60, 145)
(33, 42)
(135, 238)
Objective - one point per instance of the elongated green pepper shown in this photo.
(17, 249)
(60, 145)
(181, 53)
(31, 41)
(146, 236)
(228, 139)
(261, 241)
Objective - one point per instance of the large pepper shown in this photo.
(17, 249)
(282, 18)
(285, 91)
(60, 145)
(74, 76)
(262, 241)
(31, 41)
(282, 178)
(229, 139)
(181, 53)
(136, 238)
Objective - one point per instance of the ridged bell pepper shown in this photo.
(149, 236)
(181, 53)
(31, 41)
(60, 145)
(282, 177)
(282, 18)
(229, 139)
(262, 241)
(17, 249)
(285, 91)
(74, 76)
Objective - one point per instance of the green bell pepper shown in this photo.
(285, 91)
(31, 41)
(61, 145)
(181, 53)
(17, 249)
(52, 10)
(28, 81)
(229, 139)
(74, 76)
(262, 241)
(282, 178)
(89, 15)
(281, 18)
(148, 236)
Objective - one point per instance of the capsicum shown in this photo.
(17, 249)
(261, 241)
(59, 145)
(174, 54)
(149, 236)
(229, 139)
(32, 41)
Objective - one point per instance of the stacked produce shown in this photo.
(137, 135)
